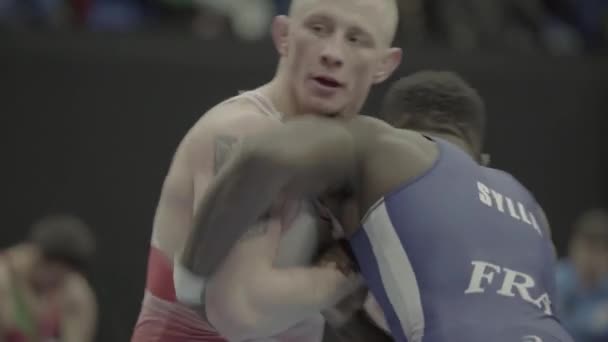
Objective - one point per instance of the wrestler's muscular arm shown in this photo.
(268, 300)
(245, 189)
(348, 321)
(260, 170)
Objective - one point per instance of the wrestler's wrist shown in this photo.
(189, 287)
(340, 256)
(337, 318)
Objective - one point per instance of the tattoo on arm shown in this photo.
(195, 255)
(224, 144)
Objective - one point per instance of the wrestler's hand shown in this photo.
(339, 255)
(332, 228)
(346, 309)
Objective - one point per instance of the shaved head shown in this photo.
(387, 11)
(333, 51)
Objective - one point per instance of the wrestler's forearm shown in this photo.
(293, 294)
(241, 193)
(272, 300)
(299, 292)
(307, 156)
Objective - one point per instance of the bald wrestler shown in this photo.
(331, 52)
(452, 250)
(43, 293)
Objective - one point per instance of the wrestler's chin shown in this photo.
(328, 106)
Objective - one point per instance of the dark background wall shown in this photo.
(89, 123)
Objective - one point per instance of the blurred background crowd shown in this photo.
(582, 279)
(91, 119)
(551, 26)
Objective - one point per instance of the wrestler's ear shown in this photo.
(388, 63)
(280, 34)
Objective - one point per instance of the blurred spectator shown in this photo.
(96, 14)
(249, 19)
(81, 10)
(518, 25)
(43, 293)
(582, 280)
(281, 6)
(204, 20)
(561, 27)
(115, 15)
(592, 20)
(412, 22)
(589, 17)
(212, 19)
(33, 13)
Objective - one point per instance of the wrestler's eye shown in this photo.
(354, 39)
(318, 28)
(358, 38)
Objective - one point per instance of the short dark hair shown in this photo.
(64, 238)
(435, 92)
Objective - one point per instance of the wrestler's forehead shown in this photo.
(376, 16)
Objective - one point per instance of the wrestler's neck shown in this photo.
(460, 142)
(278, 93)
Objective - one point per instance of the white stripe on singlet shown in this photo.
(398, 277)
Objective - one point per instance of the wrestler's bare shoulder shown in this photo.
(194, 165)
(237, 116)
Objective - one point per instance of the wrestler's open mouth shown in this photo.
(328, 82)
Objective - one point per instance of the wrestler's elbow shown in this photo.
(256, 308)
(292, 295)
(235, 322)
(232, 312)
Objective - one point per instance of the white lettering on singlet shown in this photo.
(506, 205)
(505, 282)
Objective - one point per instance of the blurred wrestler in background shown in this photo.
(582, 279)
(44, 295)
